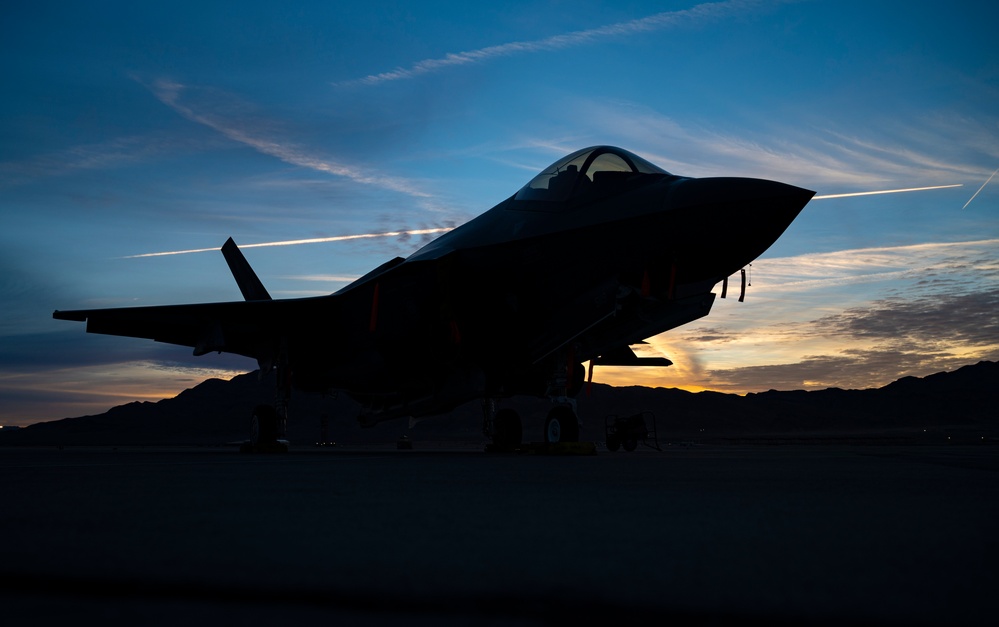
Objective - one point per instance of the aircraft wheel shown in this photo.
(630, 444)
(561, 425)
(613, 443)
(263, 425)
(508, 432)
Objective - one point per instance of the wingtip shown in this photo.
(76, 316)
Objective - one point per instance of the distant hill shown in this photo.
(961, 405)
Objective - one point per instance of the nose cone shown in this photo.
(732, 221)
(730, 198)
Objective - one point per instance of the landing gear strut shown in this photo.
(503, 426)
(562, 424)
(268, 423)
(263, 425)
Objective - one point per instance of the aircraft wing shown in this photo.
(245, 328)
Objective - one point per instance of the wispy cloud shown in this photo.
(889, 155)
(700, 14)
(57, 392)
(875, 343)
(699, 150)
(834, 320)
(853, 318)
(819, 158)
(252, 132)
(923, 261)
(854, 369)
(935, 321)
(113, 153)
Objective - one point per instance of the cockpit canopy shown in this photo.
(588, 171)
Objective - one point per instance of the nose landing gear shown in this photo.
(561, 425)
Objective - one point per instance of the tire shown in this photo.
(613, 443)
(508, 432)
(263, 425)
(561, 425)
(630, 444)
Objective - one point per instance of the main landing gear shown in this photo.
(263, 425)
(562, 424)
(505, 428)
(269, 422)
(265, 429)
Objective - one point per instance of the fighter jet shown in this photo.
(598, 252)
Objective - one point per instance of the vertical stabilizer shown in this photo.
(246, 278)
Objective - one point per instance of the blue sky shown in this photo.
(136, 128)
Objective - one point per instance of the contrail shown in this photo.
(169, 93)
(979, 189)
(695, 15)
(296, 242)
(888, 191)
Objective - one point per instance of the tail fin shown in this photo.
(246, 278)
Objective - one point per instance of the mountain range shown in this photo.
(957, 406)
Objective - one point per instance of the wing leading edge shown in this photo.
(243, 328)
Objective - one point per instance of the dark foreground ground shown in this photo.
(820, 534)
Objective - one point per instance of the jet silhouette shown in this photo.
(598, 252)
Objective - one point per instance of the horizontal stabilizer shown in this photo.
(624, 356)
(246, 278)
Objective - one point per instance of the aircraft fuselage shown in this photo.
(491, 306)
(599, 251)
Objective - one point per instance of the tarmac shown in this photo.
(795, 534)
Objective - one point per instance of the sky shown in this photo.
(134, 128)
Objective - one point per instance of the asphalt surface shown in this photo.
(726, 535)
